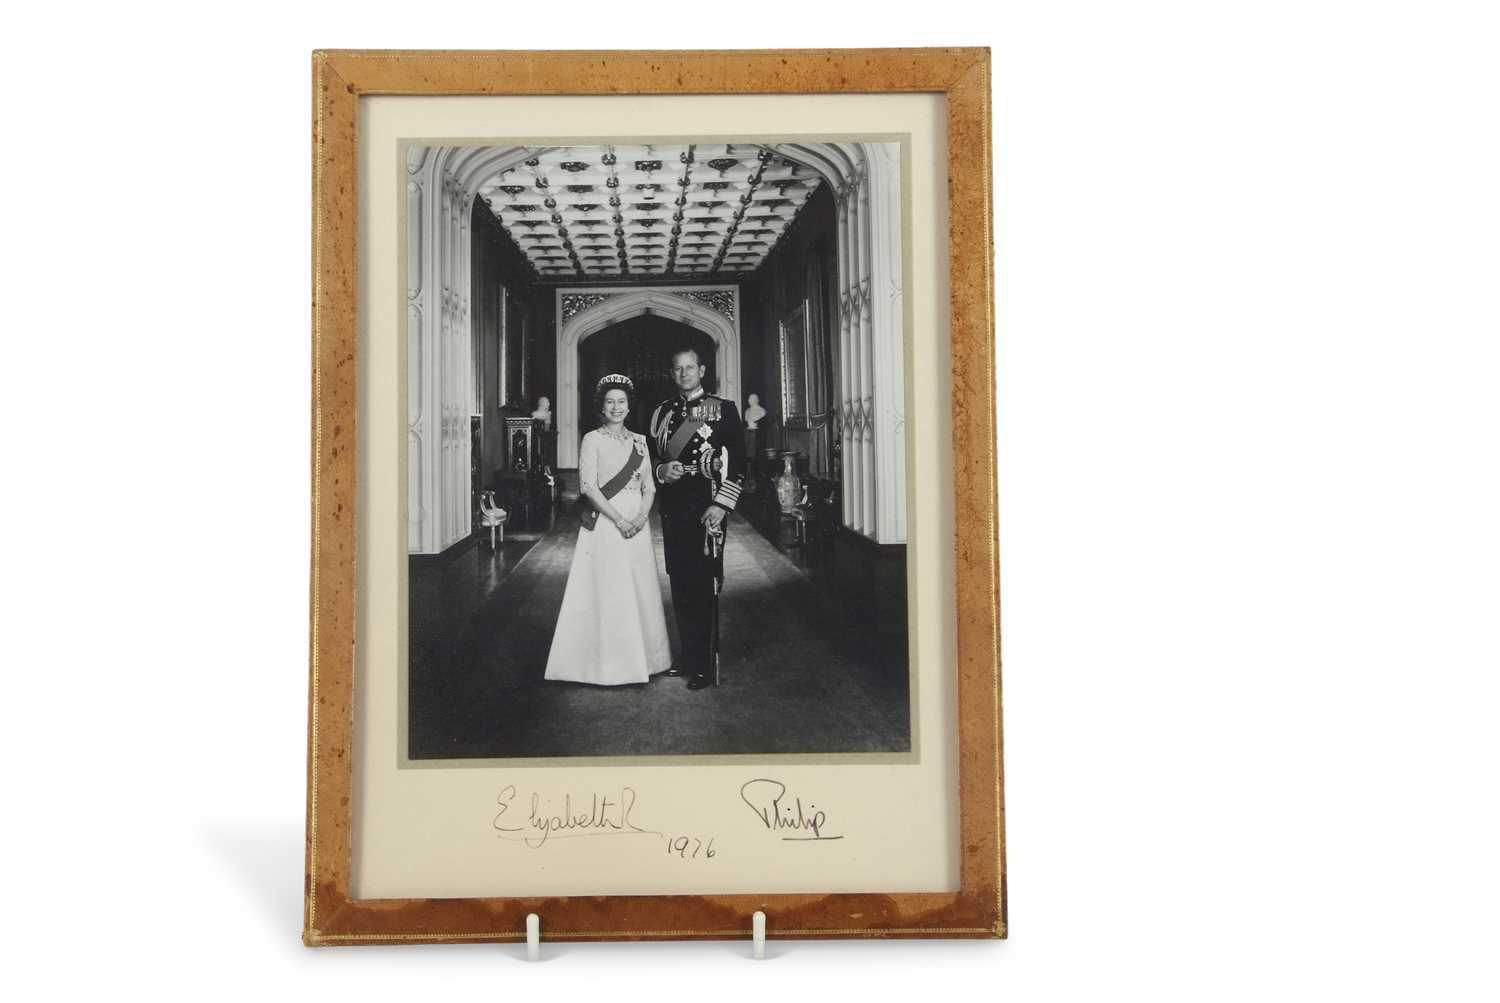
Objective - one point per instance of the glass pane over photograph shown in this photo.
(655, 451)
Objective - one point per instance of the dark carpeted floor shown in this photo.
(798, 675)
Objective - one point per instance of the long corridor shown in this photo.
(797, 675)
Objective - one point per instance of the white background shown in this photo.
(1249, 344)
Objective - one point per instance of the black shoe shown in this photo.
(699, 682)
(674, 672)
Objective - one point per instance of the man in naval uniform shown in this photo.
(697, 453)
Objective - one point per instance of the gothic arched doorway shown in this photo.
(641, 348)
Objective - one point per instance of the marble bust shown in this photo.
(544, 412)
(754, 412)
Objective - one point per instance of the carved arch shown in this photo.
(623, 303)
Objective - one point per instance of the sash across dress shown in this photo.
(611, 629)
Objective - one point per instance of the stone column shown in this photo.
(872, 345)
(886, 304)
(426, 331)
(845, 429)
(439, 367)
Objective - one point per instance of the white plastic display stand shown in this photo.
(534, 936)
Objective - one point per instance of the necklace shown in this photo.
(623, 435)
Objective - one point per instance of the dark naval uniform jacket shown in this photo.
(714, 456)
(712, 448)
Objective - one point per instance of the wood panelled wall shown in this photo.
(503, 277)
(802, 269)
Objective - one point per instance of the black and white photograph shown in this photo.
(656, 449)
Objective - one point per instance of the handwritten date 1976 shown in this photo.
(690, 848)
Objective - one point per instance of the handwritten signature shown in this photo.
(767, 798)
(607, 814)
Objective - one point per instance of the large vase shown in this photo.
(788, 484)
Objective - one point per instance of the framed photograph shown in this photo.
(654, 571)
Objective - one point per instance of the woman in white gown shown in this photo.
(611, 629)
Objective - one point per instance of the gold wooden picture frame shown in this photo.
(341, 80)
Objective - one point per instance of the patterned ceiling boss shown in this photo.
(573, 166)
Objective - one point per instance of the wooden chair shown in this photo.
(492, 516)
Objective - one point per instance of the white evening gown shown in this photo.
(611, 629)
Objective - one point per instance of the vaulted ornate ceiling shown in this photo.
(648, 211)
